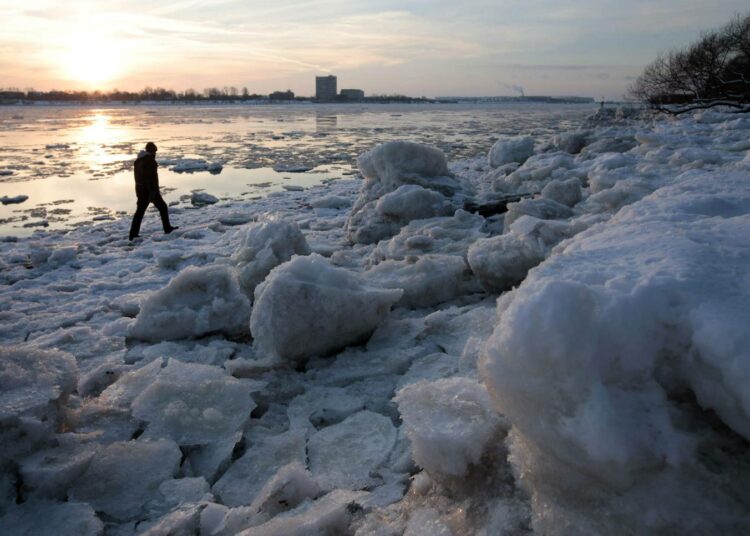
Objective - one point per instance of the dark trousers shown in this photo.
(144, 198)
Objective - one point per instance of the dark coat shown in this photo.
(146, 175)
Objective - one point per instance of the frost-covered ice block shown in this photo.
(331, 514)
(211, 459)
(426, 281)
(403, 181)
(201, 199)
(511, 149)
(503, 261)
(447, 236)
(644, 322)
(175, 492)
(346, 455)
(198, 301)
(128, 386)
(566, 192)
(332, 202)
(49, 472)
(30, 378)
(124, 476)
(384, 217)
(307, 307)
(619, 144)
(430, 367)
(265, 246)
(46, 518)
(287, 489)
(571, 142)
(450, 422)
(322, 406)
(185, 519)
(542, 208)
(264, 457)
(194, 404)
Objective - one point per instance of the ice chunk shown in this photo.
(331, 514)
(307, 307)
(544, 209)
(44, 518)
(211, 459)
(264, 457)
(332, 201)
(450, 422)
(291, 485)
(346, 455)
(265, 246)
(426, 281)
(128, 386)
(511, 149)
(386, 169)
(571, 142)
(448, 236)
(566, 192)
(394, 163)
(197, 301)
(384, 217)
(123, 476)
(201, 199)
(30, 378)
(643, 324)
(194, 404)
(503, 261)
(322, 406)
(49, 472)
(17, 199)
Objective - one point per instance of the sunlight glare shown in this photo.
(94, 60)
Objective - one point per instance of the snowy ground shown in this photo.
(365, 357)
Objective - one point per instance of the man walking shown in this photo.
(147, 190)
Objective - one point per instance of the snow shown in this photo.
(307, 307)
(265, 246)
(660, 303)
(511, 149)
(577, 365)
(449, 422)
(199, 300)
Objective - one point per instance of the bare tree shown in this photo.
(713, 71)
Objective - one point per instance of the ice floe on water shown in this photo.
(547, 337)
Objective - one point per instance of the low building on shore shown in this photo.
(352, 94)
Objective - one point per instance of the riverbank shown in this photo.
(575, 365)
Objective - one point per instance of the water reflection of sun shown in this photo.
(102, 141)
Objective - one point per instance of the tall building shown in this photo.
(325, 88)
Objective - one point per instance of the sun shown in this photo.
(94, 60)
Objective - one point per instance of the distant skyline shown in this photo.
(418, 47)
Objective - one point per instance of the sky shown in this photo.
(413, 47)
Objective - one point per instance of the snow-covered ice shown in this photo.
(368, 357)
(198, 301)
(308, 307)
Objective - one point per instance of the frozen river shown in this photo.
(74, 162)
